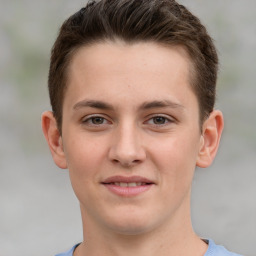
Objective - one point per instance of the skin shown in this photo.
(130, 110)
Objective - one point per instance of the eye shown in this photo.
(95, 121)
(159, 120)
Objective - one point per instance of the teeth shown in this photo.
(130, 184)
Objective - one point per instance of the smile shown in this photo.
(127, 186)
(131, 184)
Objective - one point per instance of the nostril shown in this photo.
(126, 154)
(126, 163)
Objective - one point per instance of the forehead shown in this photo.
(121, 52)
(146, 68)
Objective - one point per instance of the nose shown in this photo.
(126, 147)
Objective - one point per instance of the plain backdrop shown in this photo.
(39, 214)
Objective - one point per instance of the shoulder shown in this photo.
(218, 250)
(69, 252)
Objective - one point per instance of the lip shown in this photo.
(127, 179)
(110, 184)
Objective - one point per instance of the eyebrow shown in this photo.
(146, 105)
(93, 104)
(160, 104)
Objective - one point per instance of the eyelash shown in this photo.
(167, 120)
(89, 120)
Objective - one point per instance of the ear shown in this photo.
(54, 139)
(210, 138)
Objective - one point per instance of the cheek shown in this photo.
(176, 159)
(85, 160)
(84, 155)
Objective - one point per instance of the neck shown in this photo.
(175, 238)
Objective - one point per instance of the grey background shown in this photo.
(39, 214)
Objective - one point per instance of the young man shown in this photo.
(132, 87)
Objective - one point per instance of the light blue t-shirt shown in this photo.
(213, 250)
(217, 250)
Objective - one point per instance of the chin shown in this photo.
(131, 224)
(131, 230)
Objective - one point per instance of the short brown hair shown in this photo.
(161, 21)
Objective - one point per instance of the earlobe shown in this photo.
(210, 138)
(54, 139)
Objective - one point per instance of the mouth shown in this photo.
(127, 186)
(130, 184)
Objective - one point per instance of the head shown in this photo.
(132, 87)
(164, 22)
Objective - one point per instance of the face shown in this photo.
(130, 134)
